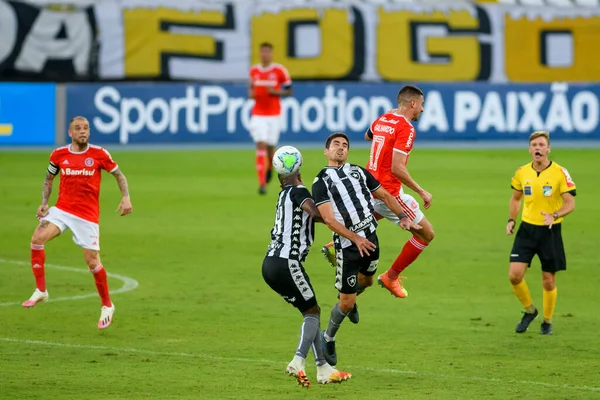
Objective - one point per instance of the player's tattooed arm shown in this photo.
(42, 210)
(122, 182)
(47, 188)
(124, 207)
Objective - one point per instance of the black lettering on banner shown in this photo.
(442, 45)
(342, 44)
(29, 34)
(485, 58)
(559, 48)
(157, 28)
(293, 26)
(228, 24)
(545, 36)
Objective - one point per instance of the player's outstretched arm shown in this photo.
(42, 210)
(125, 204)
(396, 208)
(363, 244)
(311, 209)
(514, 206)
(399, 169)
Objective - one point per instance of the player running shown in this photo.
(291, 238)
(392, 137)
(268, 82)
(77, 209)
(344, 197)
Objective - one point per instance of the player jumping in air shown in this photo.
(269, 82)
(344, 195)
(80, 165)
(392, 136)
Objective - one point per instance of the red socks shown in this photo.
(261, 162)
(38, 257)
(102, 285)
(410, 252)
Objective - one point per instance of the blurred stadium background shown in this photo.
(194, 318)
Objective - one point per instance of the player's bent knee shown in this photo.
(92, 258)
(548, 281)
(549, 286)
(43, 234)
(37, 239)
(429, 235)
(347, 302)
(515, 280)
(515, 277)
(314, 310)
(516, 272)
(364, 280)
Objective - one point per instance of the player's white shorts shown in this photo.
(86, 234)
(409, 205)
(265, 128)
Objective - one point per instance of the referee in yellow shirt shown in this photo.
(549, 194)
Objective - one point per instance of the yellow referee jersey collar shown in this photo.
(539, 172)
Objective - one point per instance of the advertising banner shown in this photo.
(197, 113)
(27, 113)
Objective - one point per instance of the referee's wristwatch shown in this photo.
(555, 215)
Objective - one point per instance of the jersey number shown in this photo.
(376, 147)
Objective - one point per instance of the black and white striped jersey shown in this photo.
(294, 229)
(348, 188)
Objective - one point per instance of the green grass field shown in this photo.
(202, 324)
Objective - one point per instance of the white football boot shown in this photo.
(327, 374)
(36, 297)
(296, 369)
(106, 316)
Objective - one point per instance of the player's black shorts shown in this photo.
(546, 243)
(350, 263)
(288, 278)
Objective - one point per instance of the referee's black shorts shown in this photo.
(546, 243)
(289, 279)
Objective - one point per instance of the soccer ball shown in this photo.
(287, 160)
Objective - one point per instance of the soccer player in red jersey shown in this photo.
(80, 166)
(269, 82)
(392, 136)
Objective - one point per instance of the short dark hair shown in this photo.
(336, 135)
(267, 45)
(77, 118)
(408, 92)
